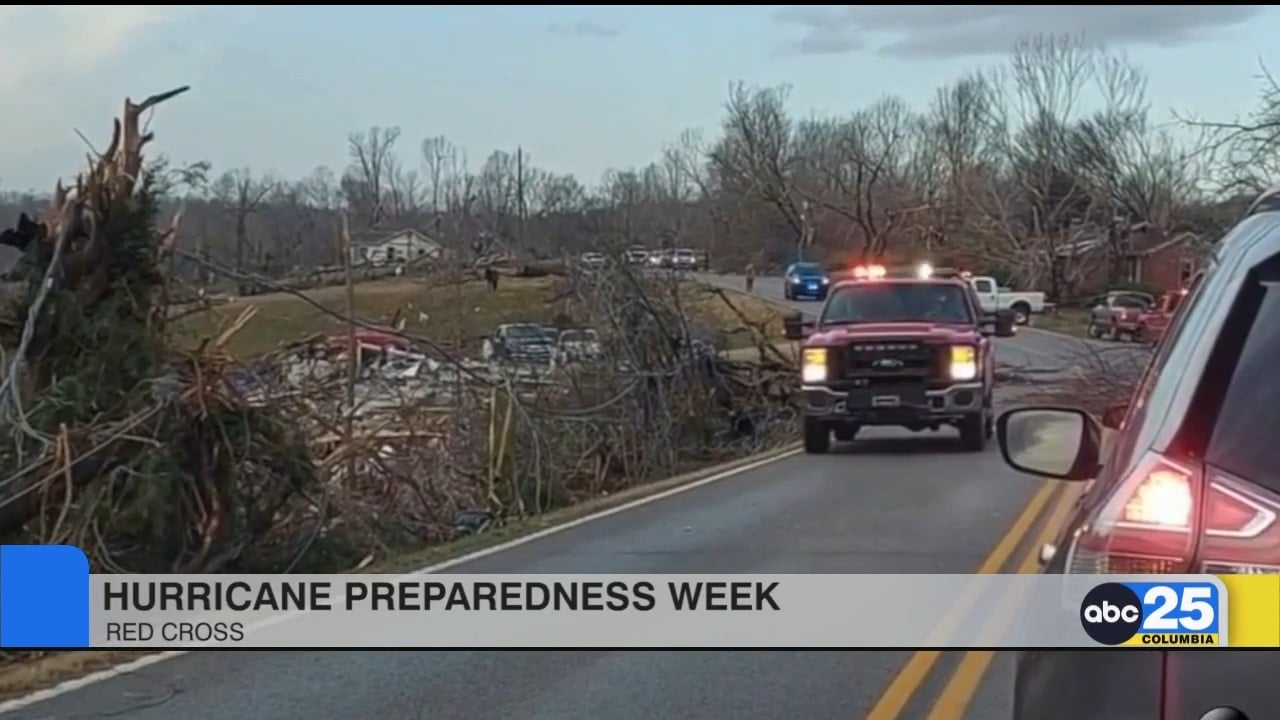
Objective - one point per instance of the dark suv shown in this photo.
(1190, 483)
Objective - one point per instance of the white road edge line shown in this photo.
(149, 660)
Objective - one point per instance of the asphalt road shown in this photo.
(892, 502)
(1046, 354)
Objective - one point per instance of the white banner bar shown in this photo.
(649, 611)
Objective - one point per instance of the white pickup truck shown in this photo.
(994, 298)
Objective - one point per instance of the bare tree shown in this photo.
(953, 150)
(1032, 200)
(243, 194)
(1006, 167)
(368, 179)
(756, 158)
(322, 189)
(403, 193)
(1244, 153)
(438, 161)
(857, 168)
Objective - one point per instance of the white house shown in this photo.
(399, 246)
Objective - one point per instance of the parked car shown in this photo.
(1153, 321)
(593, 259)
(521, 343)
(576, 346)
(1189, 483)
(1115, 315)
(994, 298)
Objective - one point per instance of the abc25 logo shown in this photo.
(1179, 614)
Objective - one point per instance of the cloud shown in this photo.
(584, 28)
(948, 31)
(55, 42)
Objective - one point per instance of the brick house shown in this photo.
(1162, 261)
(1149, 257)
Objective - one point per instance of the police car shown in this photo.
(805, 280)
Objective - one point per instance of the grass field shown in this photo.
(444, 313)
(1068, 321)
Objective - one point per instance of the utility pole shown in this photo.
(520, 194)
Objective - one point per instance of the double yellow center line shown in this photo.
(965, 680)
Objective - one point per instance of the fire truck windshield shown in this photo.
(875, 302)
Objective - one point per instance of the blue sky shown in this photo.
(582, 88)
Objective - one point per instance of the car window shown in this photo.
(1243, 439)
(897, 302)
(1131, 301)
(1160, 393)
(1147, 397)
(983, 286)
(531, 332)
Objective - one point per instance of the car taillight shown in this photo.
(1242, 536)
(1165, 512)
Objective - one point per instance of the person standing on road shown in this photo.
(751, 277)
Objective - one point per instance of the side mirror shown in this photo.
(795, 327)
(999, 324)
(1113, 416)
(1059, 443)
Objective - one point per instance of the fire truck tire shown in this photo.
(817, 437)
(973, 432)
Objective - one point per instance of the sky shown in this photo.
(581, 88)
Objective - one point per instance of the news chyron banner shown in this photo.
(48, 599)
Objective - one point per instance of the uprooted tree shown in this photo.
(117, 443)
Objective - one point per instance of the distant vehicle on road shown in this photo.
(1115, 314)
(687, 259)
(661, 258)
(993, 298)
(520, 343)
(1190, 484)
(593, 259)
(913, 351)
(805, 280)
(637, 256)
